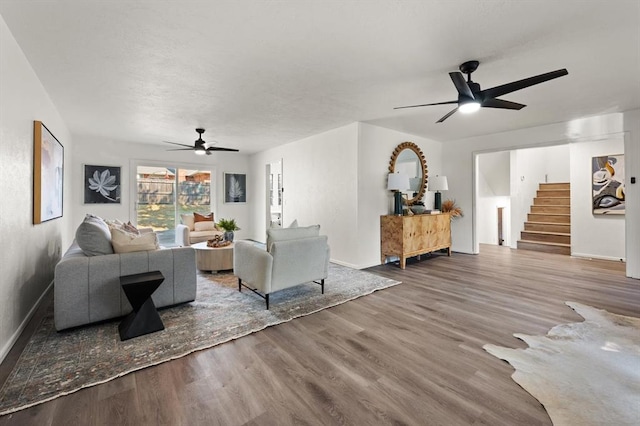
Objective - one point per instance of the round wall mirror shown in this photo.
(408, 158)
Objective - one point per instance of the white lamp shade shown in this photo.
(438, 183)
(398, 182)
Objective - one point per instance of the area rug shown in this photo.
(55, 364)
(585, 373)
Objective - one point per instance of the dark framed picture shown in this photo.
(235, 188)
(101, 184)
(48, 174)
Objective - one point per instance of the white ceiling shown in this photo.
(257, 74)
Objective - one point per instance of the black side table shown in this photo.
(144, 318)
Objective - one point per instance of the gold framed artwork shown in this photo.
(48, 174)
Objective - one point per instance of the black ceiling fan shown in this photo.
(200, 146)
(471, 98)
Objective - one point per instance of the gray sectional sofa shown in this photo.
(87, 288)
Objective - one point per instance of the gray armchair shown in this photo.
(288, 263)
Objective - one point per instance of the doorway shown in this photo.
(275, 194)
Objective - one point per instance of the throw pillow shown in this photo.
(93, 236)
(284, 234)
(130, 228)
(294, 224)
(197, 217)
(126, 242)
(205, 226)
(187, 220)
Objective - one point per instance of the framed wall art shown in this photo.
(235, 188)
(48, 174)
(608, 196)
(101, 184)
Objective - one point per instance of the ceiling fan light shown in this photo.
(469, 107)
(200, 151)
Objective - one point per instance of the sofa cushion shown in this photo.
(93, 236)
(202, 236)
(205, 226)
(284, 234)
(187, 220)
(127, 242)
(294, 224)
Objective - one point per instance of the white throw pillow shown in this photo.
(285, 234)
(187, 220)
(294, 224)
(205, 226)
(126, 242)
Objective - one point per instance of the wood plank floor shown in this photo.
(411, 354)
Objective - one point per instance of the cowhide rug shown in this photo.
(585, 373)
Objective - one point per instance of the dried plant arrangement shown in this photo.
(450, 206)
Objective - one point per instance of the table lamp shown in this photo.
(438, 183)
(398, 182)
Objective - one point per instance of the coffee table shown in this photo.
(213, 258)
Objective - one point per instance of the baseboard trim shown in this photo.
(7, 347)
(348, 265)
(594, 256)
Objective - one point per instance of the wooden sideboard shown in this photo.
(408, 236)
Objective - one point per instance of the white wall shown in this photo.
(375, 147)
(338, 179)
(458, 166)
(632, 168)
(90, 150)
(597, 236)
(30, 252)
(320, 187)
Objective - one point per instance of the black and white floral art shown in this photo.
(101, 184)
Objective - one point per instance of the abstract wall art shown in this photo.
(48, 174)
(607, 172)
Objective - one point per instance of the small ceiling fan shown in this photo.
(471, 98)
(200, 146)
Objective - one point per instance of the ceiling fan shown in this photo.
(200, 146)
(471, 98)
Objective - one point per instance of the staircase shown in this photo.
(548, 226)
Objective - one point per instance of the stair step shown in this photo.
(548, 227)
(546, 193)
(552, 201)
(557, 248)
(549, 218)
(551, 209)
(547, 237)
(555, 185)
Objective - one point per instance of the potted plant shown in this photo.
(228, 226)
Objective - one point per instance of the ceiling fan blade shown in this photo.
(437, 103)
(447, 116)
(500, 103)
(461, 85)
(181, 149)
(497, 91)
(213, 148)
(179, 144)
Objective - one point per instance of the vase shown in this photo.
(228, 236)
